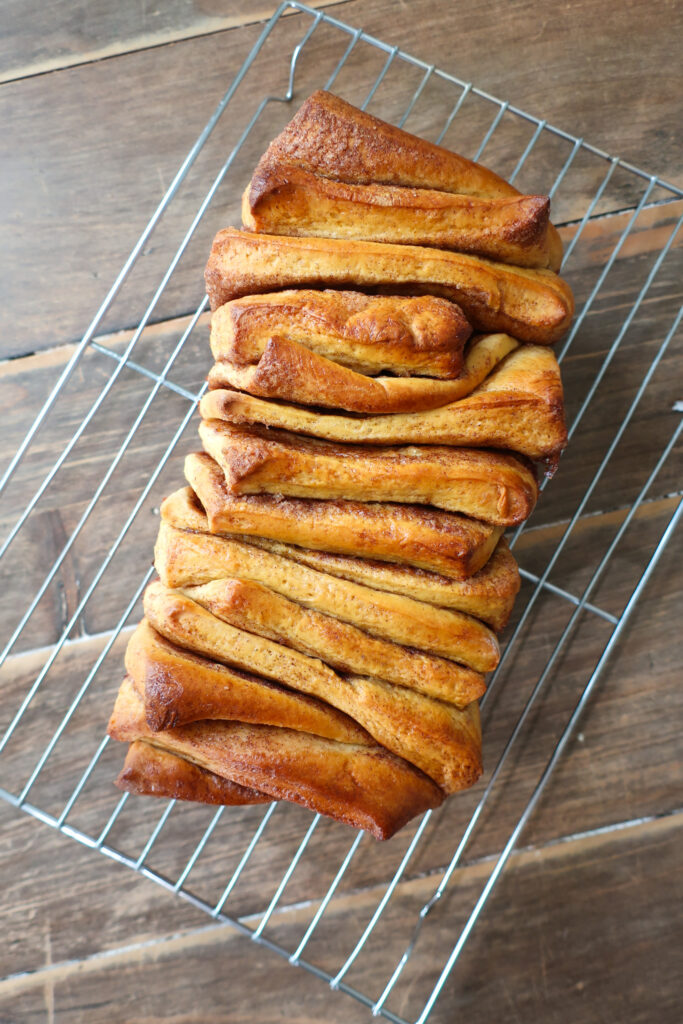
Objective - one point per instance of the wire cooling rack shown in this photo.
(93, 520)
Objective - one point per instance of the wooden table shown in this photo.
(100, 104)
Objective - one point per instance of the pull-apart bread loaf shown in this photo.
(487, 595)
(403, 189)
(495, 487)
(290, 371)
(532, 305)
(371, 334)
(443, 542)
(364, 786)
(332, 579)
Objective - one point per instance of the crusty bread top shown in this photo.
(336, 139)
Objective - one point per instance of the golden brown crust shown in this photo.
(150, 771)
(491, 486)
(258, 609)
(340, 141)
(415, 336)
(334, 138)
(284, 199)
(532, 305)
(442, 542)
(186, 559)
(520, 406)
(488, 595)
(438, 738)
(178, 687)
(366, 787)
(290, 371)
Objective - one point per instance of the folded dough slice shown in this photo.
(185, 559)
(367, 787)
(178, 687)
(492, 486)
(488, 595)
(520, 406)
(292, 372)
(331, 137)
(150, 771)
(441, 740)
(257, 609)
(444, 542)
(532, 305)
(283, 199)
(415, 336)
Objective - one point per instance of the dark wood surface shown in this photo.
(585, 922)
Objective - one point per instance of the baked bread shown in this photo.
(337, 140)
(292, 372)
(441, 740)
(488, 595)
(520, 407)
(150, 771)
(532, 305)
(283, 199)
(178, 687)
(492, 486)
(185, 559)
(371, 334)
(443, 542)
(367, 787)
(257, 609)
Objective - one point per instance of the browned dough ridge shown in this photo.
(492, 486)
(366, 787)
(186, 559)
(532, 305)
(519, 407)
(284, 199)
(177, 687)
(290, 371)
(441, 740)
(415, 336)
(333, 138)
(150, 771)
(443, 542)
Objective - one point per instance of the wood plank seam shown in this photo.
(194, 937)
(215, 27)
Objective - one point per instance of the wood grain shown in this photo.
(95, 31)
(541, 951)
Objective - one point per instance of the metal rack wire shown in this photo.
(130, 363)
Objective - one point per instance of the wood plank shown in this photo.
(95, 31)
(583, 931)
(87, 183)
